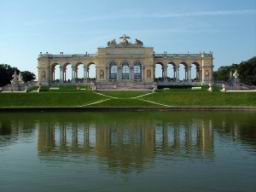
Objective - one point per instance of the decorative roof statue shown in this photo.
(124, 40)
(112, 43)
(138, 42)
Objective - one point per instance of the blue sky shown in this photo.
(27, 27)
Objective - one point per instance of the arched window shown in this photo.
(195, 70)
(113, 71)
(56, 72)
(183, 68)
(125, 70)
(68, 73)
(79, 72)
(137, 70)
(171, 71)
(92, 71)
(159, 71)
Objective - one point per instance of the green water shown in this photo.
(179, 151)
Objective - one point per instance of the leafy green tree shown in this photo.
(6, 72)
(28, 76)
(223, 73)
(246, 71)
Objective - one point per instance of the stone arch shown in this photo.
(125, 70)
(55, 72)
(92, 71)
(80, 72)
(137, 70)
(195, 71)
(113, 69)
(68, 72)
(171, 71)
(182, 71)
(159, 71)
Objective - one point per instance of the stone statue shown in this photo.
(15, 78)
(210, 87)
(112, 43)
(138, 42)
(124, 40)
(223, 88)
(236, 80)
(20, 77)
(17, 82)
(236, 75)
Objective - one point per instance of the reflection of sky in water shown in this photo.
(151, 151)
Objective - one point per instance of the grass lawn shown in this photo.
(202, 98)
(123, 94)
(69, 96)
(124, 103)
(48, 99)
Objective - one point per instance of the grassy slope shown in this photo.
(124, 103)
(124, 94)
(71, 97)
(202, 98)
(48, 99)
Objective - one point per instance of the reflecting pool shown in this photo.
(174, 151)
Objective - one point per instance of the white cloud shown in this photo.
(172, 15)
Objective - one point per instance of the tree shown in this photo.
(28, 76)
(246, 71)
(6, 72)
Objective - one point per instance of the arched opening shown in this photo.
(195, 72)
(171, 72)
(92, 71)
(183, 72)
(137, 70)
(113, 71)
(159, 71)
(80, 72)
(67, 70)
(125, 71)
(56, 73)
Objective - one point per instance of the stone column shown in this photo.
(198, 74)
(131, 73)
(203, 70)
(165, 72)
(142, 73)
(85, 73)
(107, 73)
(73, 74)
(53, 75)
(119, 73)
(189, 73)
(210, 77)
(61, 74)
(174, 72)
(177, 74)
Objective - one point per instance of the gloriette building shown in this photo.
(126, 65)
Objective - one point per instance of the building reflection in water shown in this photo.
(126, 146)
